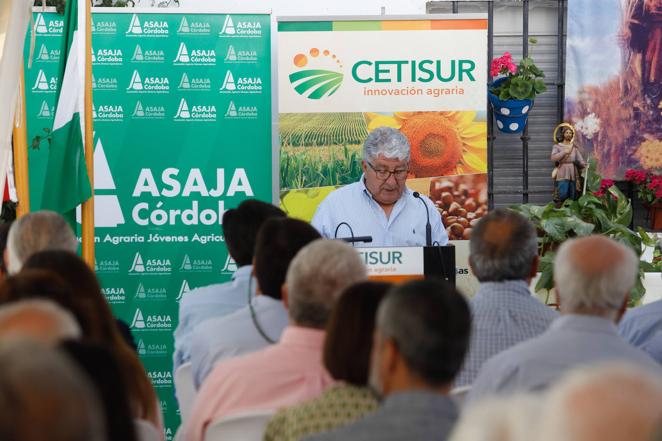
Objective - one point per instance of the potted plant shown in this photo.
(603, 209)
(649, 190)
(512, 93)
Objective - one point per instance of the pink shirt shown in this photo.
(281, 375)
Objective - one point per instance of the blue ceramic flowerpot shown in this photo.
(511, 115)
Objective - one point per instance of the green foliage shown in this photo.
(305, 167)
(609, 215)
(525, 83)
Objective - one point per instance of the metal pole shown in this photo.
(490, 122)
(525, 133)
(560, 74)
(455, 7)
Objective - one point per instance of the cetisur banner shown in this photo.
(340, 79)
(182, 119)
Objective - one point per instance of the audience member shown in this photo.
(642, 327)
(240, 227)
(421, 338)
(86, 302)
(347, 350)
(504, 258)
(262, 321)
(40, 320)
(104, 373)
(4, 233)
(45, 397)
(611, 402)
(594, 276)
(38, 231)
(290, 371)
(514, 418)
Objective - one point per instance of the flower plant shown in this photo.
(522, 81)
(647, 185)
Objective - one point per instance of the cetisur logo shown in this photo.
(315, 83)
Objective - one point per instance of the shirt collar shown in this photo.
(300, 336)
(243, 272)
(586, 323)
(519, 287)
(419, 399)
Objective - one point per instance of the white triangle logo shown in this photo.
(41, 83)
(94, 111)
(94, 57)
(141, 347)
(186, 264)
(183, 26)
(134, 27)
(183, 290)
(232, 110)
(228, 82)
(136, 83)
(183, 111)
(140, 292)
(184, 83)
(230, 265)
(138, 266)
(103, 179)
(139, 110)
(138, 54)
(138, 320)
(43, 53)
(40, 25)
(228, 26)
(94, 82)
(231, 55)
(182, 54)
(45, 111)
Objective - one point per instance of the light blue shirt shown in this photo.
(354, 204)
(642, 326)
(503, 314)
(571, 341)
(235, 334)
(207, 302)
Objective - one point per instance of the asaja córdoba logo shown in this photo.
(318, 75)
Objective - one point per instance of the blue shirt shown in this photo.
(571, 341)
(642, 326)
(235, 334)
(207, 302)
(503, 314)
(354, 204)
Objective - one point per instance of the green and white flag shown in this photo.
(66, 183)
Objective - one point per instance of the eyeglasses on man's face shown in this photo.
(383, 174)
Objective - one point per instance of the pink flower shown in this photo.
(503, 65)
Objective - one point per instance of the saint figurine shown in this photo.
(569, 163)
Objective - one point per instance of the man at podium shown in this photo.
(380, 205)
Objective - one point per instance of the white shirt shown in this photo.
(354, 205)
(235, 334)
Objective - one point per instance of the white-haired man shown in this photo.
(380, 205)
(610, 402)
(40, 320)
(594, 276)
(290, 371)
(34, 232)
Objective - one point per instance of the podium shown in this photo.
(399, 264)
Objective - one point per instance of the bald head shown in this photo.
(503, 246)
(604, 403)
(38, 231)
(39, 320)
(594, 275)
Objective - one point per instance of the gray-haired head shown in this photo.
(594, 275)
(38, 319)
(43, 395)
(604, 402)
(503, 246)
(38, 231)
(387, 142)
(317, 276)
(429, 322)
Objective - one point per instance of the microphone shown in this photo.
(428, 226)
(353, 239)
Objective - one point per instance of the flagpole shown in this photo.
(20, 138)
(88, 206)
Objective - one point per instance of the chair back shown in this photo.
(185, 390)
(241, 427)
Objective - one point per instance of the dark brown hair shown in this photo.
(349, 332)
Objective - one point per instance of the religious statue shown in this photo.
(569, 164)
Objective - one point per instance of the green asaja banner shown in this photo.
(182, 112)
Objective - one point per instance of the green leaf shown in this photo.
(533, 40)
(539, 86)
(646, 238)
(637, 292)
(36, 141)
(580, 227)
(527, 62)
(504, 94)
(520, 88)
(647, 267)
(556, 228)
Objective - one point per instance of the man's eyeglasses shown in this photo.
(383, 175)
